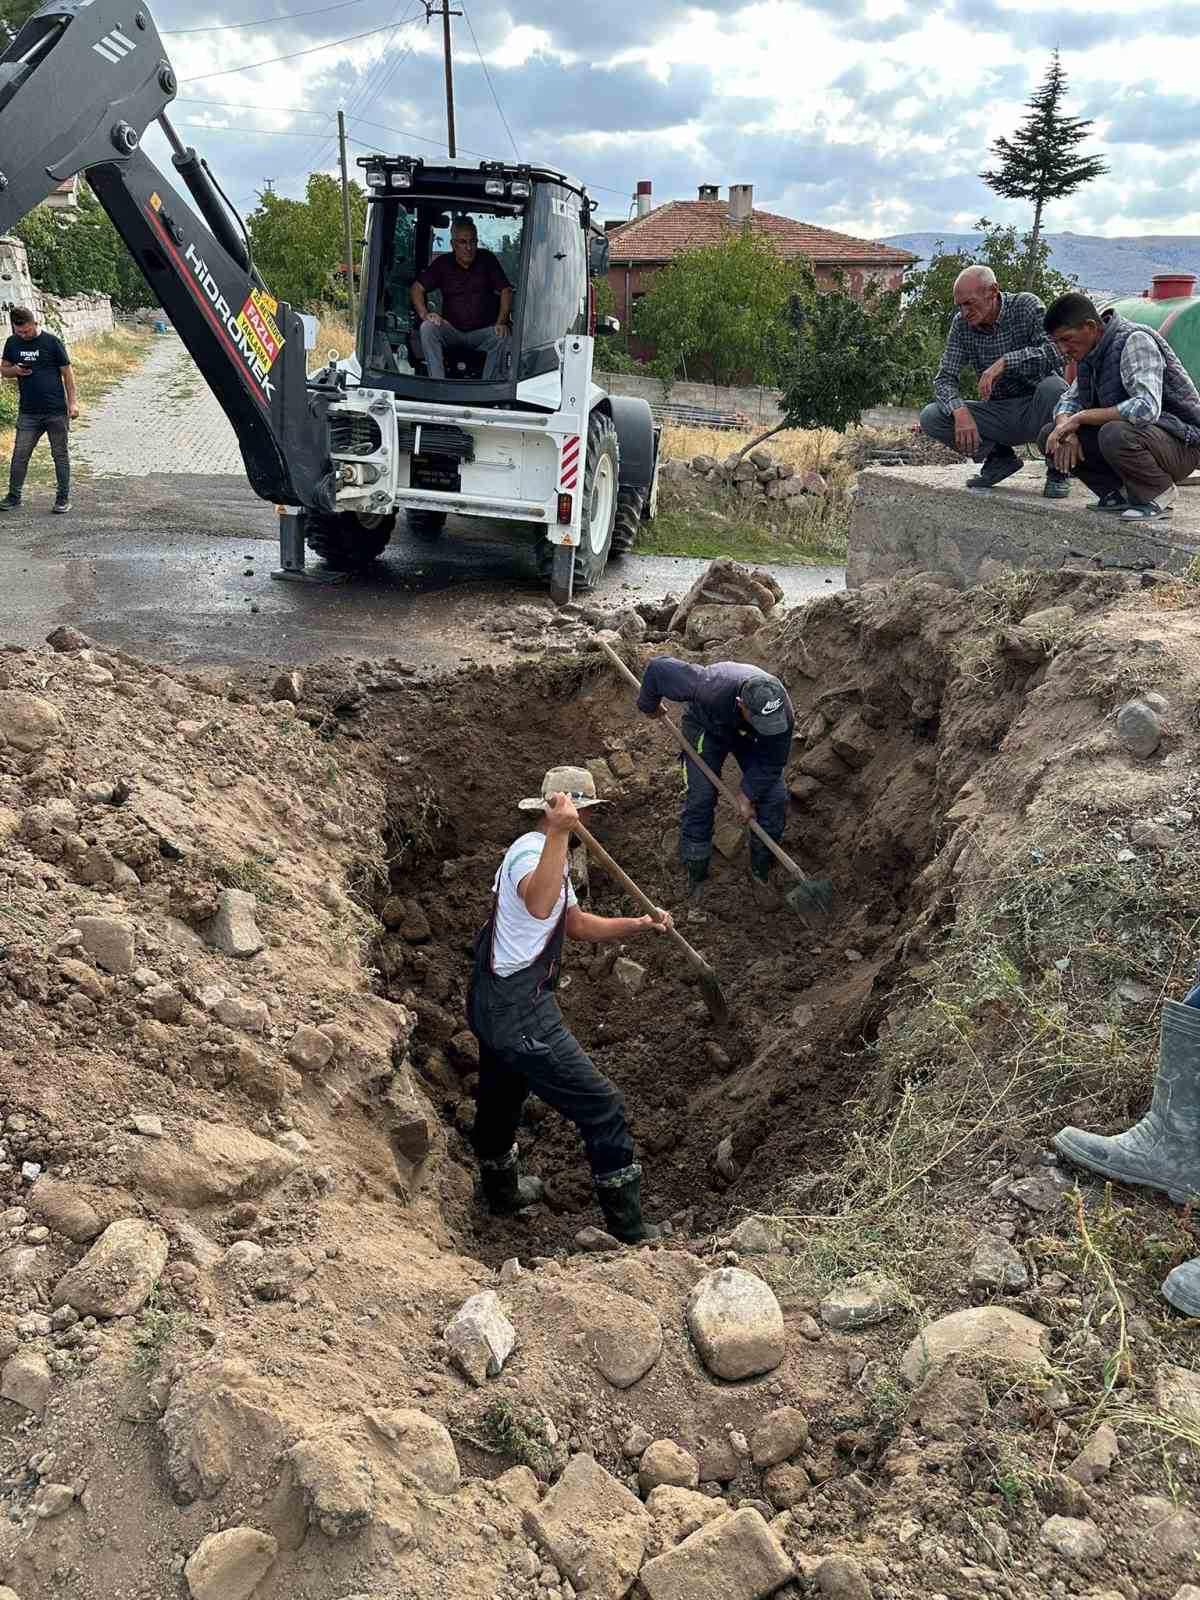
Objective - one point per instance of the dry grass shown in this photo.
(808, 451)
(333, 333)
(98, 365)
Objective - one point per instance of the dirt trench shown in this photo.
(876, 765)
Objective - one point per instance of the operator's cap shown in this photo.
(766, 704)
(575, 781)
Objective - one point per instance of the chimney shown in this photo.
(741, 201)
(644, 191)
(709, 191)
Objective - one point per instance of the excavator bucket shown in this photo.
(79, 85)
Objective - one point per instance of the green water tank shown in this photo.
(1172, 306)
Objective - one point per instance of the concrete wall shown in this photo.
(908, 520)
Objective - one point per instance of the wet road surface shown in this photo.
(177, 568)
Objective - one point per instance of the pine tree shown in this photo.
(1042, 161)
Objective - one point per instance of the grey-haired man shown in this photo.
(525, 1047)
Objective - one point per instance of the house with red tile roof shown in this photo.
(650, 241)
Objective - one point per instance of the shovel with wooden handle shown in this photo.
(714, 999)
(812, 898)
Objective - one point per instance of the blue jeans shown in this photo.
(700, 799)
(1193, 999)
(436, 340)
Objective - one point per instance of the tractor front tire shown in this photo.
(343, 542)
(425, 525)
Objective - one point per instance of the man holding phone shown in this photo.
(40, 364)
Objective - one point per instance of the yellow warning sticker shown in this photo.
(258, 324)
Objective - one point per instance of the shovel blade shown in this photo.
(714, 998)
(812, 900)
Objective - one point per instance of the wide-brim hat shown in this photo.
(575, 781)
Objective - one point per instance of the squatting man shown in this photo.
(1002, 339)
(524, 1045)
(1129, 426)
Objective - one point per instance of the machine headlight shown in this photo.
(493, 186)
(401, 180)
(519, 189)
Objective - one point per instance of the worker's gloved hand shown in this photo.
(561, 815)
(745, 808)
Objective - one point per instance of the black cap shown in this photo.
(765, 702)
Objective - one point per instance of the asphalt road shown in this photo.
(177, 568)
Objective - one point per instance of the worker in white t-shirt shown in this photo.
(524, 1045)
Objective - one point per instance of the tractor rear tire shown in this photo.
(343, 542)
(425, 525)
(630, 505)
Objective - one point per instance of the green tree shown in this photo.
(718, 312)
(1042, 161)
(80, 252)
(298, 243)
(14, 14)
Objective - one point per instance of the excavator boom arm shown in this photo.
(105, 60)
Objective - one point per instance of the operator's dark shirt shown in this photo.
(711, 695)
(42, 392)
(470, 295)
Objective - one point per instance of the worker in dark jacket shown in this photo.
(732, 709)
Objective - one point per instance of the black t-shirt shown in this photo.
(42, 392)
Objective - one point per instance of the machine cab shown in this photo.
(531, 225)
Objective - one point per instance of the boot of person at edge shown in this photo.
(620, 1199)
(1162, 1151)
(697, 872)
(504, 1189)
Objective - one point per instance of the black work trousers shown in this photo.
(526, 1048)
(30, 429)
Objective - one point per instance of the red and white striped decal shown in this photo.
(569, 471)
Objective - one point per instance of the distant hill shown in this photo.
(1116, 266)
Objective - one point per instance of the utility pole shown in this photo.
(346, 228)
(269, 185)
(431, 11)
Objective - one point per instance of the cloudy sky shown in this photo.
(870, 116)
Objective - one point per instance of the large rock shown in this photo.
(1139, 729)
(678, 1513)
(736, 1324)
(1177, 1390)
(310, 1049)
(221, 1426)
(1096, 1457)
(997, 1266)
(233, 930)
(711, 625)
(419, 1446)
(735, 1557)
(230, 1565)
(116, 1276)
(665, 1462)
(221, 1162)
(725, 583)
(988, 1332)
(109, 941)
(1076, 1538)
(480, 1337)
(26, 1381)
(27, 722)
(861, 1302)
(841, 1578)
(336, 1480)
(779, 1437)
(1170, 1532)
(593, 1529)
(624, 1336)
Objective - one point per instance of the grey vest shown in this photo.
(1099, 383)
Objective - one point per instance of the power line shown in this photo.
(372, 79)
(471, 28)
(272, 133)
(263, 22)
(250, 66)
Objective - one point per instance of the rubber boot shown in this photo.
(697, 872)
(620, 1196)
(1163, 1150)
(504, 1189)
(766, 896)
